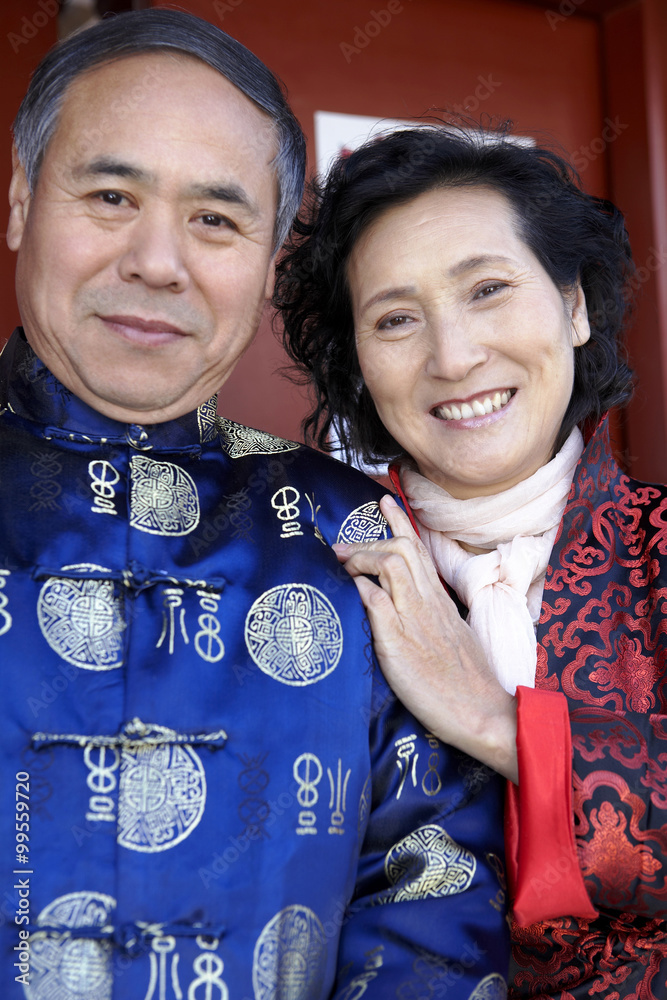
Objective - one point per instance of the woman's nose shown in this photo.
(455, 349)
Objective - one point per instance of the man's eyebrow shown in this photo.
(483, 260)
(231, 194)
(106, 166)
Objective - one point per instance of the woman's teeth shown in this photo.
(477, 408)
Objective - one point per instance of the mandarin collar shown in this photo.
(32, 392)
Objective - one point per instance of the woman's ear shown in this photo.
(19, 203)
(581, 330)
(270, 279)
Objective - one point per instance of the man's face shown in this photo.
(145, 252)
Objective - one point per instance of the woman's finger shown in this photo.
(393, 574)
(377, 602)
(401, 527)
(413, 600)
(397, 519)
(394, 559)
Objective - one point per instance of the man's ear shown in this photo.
(19, 203)
(581, 330)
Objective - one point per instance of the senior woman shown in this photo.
(457, 301)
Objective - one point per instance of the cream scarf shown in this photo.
(502, 587)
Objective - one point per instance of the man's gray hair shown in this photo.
(143, 31)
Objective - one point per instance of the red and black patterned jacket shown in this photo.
(602, 642)
(587, 825)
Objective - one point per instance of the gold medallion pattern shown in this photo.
(492, 987)
(238, 441)
(290, 956)
(71, 968)
(82, 619)
(294, 634)
(363, 524)
(428, 863)
(163, 498)
(162, 796)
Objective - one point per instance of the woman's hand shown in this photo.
(430, 657)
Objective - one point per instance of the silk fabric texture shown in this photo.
(222, 787)
(502, 588)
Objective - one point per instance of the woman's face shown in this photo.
(465, 343)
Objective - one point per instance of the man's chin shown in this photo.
(135, 406)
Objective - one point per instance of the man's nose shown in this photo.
(455, 348)
(155, 252)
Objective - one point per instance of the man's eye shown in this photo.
(215, 220)
(110, 197)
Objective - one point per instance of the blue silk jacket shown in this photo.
(216, 795)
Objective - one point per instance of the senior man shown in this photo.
(217, 796)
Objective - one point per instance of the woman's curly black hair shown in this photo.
(575, 236)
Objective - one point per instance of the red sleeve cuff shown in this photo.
(543, 868)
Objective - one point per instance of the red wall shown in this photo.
(27, 31)
(635, 44)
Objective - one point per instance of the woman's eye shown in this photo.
(489, 289)
(392, 321)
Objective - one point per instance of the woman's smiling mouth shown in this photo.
(479, 406)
